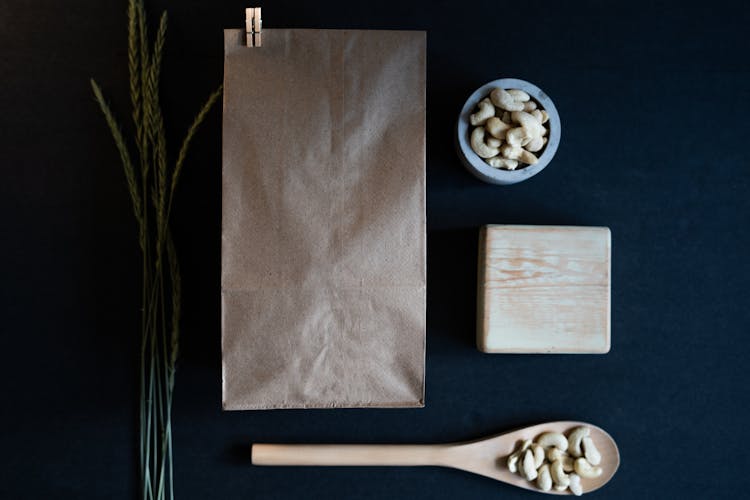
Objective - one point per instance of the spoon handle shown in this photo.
(348, 454)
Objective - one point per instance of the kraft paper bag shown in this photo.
(323, 220)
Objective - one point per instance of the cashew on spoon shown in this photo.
(547, 462)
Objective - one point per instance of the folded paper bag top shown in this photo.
(323, 220)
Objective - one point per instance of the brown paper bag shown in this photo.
(323, 220)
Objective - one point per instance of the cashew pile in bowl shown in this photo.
(554, 460)
(509, 128)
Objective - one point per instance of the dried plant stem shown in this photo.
(152, 189)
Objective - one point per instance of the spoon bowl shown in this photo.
(486, 457)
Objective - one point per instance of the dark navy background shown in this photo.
(654, 99)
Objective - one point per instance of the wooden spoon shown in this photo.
(486, 456)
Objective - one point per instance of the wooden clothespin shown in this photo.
(253, 26)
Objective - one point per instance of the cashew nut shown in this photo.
(538, 455)
(519, 95)
(559, 441)
(585, 469)
(513, 462)
(511, 152)
(527, 121)
(516, 153)
(527, 157)
(509, 118)
(499, 162)
(590, 452)
(486, 110)
(535, 144)
(558, 474)
(574, 440)
(546, 460)
(540, 115)
(555, 453)
(529, 471)
(532, 135)
(575, 485)
(518, 137)
(479, 146)
(493, 143)
(544, 481)
(496, 127)
(504, 100)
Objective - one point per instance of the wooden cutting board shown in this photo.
(543, 289)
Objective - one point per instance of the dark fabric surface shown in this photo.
(653, 98)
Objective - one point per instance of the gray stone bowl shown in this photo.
(477, 165)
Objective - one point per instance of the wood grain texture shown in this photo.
(544, 289)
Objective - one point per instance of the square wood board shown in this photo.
(543, 289)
